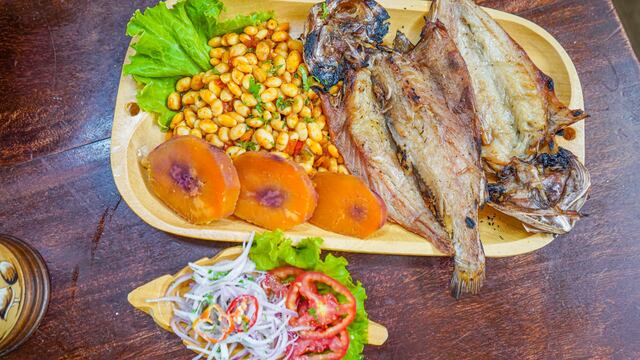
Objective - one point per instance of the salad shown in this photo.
(274, 301)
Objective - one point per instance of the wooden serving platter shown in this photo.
(162, 312)
(501, 235)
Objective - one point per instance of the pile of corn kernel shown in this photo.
(257, 97)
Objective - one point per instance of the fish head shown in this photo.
(339, 34)
(545, 193)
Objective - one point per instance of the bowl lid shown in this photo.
(24, 292)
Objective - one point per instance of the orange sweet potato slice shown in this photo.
(347, 206)
(276, 193)
(194, 179)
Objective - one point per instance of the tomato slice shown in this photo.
(331, 348)
(273, 287)
(243, 312)
(213, 324)
(323, 312)
(285, 272)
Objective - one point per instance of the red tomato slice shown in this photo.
(273, 287)
(243, 312)
(321, 311)
(219, 322)
(316, 349)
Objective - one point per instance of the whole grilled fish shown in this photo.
(442, 151)
(520, 116)
(413, 111)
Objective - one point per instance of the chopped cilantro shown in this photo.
(209, 298)
(325, 10)
(313, 313)
(305, 78)
(282, 104)
(254, 89)
(274, 69)
(308, 119)
(217, 275)
(248, 145)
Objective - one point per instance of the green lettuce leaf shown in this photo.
(168, 43)
(172, 43)
(204, 15)
(153, 97)
(273, 249)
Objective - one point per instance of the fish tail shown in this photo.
(466, 280)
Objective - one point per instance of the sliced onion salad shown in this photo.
(226, 314)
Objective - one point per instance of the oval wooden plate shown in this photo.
(500, 234)
(162, 312)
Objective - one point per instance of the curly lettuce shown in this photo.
(172, 43)
(272, 249)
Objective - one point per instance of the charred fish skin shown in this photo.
(439, 60)
(546, 193)
(520, 115)
(438, 148)
(401, 43)
(335, 33)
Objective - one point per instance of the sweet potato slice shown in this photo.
(276, 193)
(194, 179)
(347, 206)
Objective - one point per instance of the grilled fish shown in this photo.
(433, 129)
(520, 116)
(442, 152)
(337, 33)
(545, 193)
(358, 128)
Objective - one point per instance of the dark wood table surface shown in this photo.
(60, 62)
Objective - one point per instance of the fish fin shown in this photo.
(465, 280)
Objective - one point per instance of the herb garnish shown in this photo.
(325, 10)
(274, 69)
(313, 313)
(254, 89)
(282, 104)
(248, 145)
(218, 275)
(305, 78)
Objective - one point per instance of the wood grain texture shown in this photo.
(577, 298)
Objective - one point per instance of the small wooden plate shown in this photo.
(162, 312)
(24, 292)
(501, 235)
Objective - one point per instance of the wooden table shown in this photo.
(60, 62)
